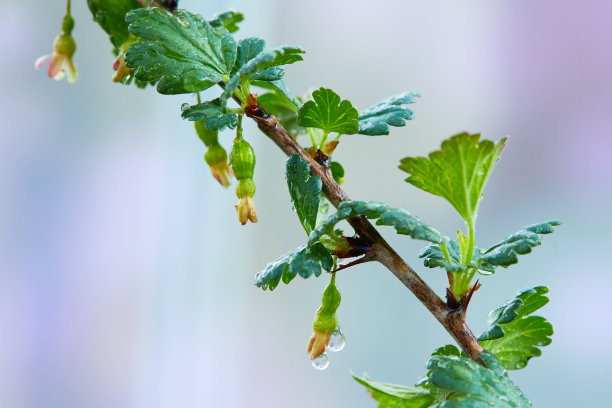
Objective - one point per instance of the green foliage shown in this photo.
(448, 350)
(402, 220)
(457, 172)
(179, 49)
(279, 88)
(376, 119)
(471, 385)
(337, 171)
(327, 112)
(305, 191)
(215, 114)
(396, 396)
(258, 66)
(433, 257)
(228, 20)
(513, 335)
(505, 253)
(285, 111)
(305, 261)
(110, 14)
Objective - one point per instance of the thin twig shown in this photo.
(452, 320)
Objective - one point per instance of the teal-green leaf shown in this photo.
(327, 112)
(433, 257)
(402, 220)
(376, 119)
(505, 253)
(228, 20)
(183, 45)
(110, 14)
(305, 191)
(216, 115)
(305, 261)
(263, 61)
(471, 385)
(396, 396)
(457, 172)
(513, 334)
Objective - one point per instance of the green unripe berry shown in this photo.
(215, 154)
(64, 44)
(242, 159)
(67, 24)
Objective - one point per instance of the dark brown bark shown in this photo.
(452, 320)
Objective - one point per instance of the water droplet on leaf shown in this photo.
(321, 362)
(336, 341)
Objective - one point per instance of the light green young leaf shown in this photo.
(473, 386)
(216, 115)
(396, 396)
(328, 113)
(433, 257)
(183, 46)
(457, 172)
(285, 111)
(262, 63)
(402, 220)
(305, 191)
(448, 350)
(110, 14)
(305, 261)
(513, 335)
(505, 253)
(228, 20)
(376, 119)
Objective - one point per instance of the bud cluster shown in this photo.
(242, 160)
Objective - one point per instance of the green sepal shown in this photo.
(228, 20)
(263, 61)
(470, 385)
(376, 120)
(305, 191)
(396, 396)
(110, 15)
(304, 261)
(505, 253)
(402, 220)
(327, 112)
(513, 335)
(457, 172)
(182, 45)
(215, 114)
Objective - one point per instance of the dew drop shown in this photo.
(336, 341)
(321, 362)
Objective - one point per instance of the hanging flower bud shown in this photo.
(119, 66)
(242, 160)
(215, 156)
(326, 321)
(61, 62)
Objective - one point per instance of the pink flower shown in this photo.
(61, 60)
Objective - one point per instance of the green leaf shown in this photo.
(376, 119)
(448, 350)
(181, 50)
(279, 88)
(285, 111)
(457, 172)
(110, 14)
(263, 61)
(396, 396)
(228, 20)
(337, 171)
(433, 257)
(305, 191)
(328, 113)
(305, 261)
(473, 386)
(513, 335)
(505, 253)
(402, 220)
(216, 115)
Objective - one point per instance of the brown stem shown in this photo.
(452, 320)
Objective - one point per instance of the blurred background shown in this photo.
(126, 280)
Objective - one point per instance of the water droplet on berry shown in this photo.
(336, 341)
(321, 362)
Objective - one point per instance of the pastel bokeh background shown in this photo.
(126, 281)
